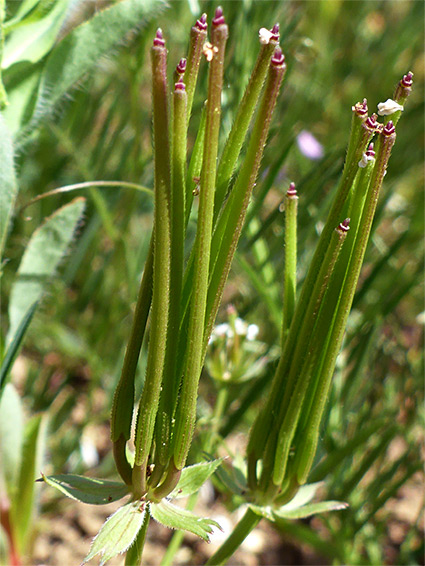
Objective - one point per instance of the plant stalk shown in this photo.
(247, 524)
(186, 410)
(148, 405)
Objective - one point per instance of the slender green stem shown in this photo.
(134, 553)
(170, 384)
(247, 524)
(148, 405)
(198, 35)
(346, 296)
(242, 120)
(276, 456)
(356, 203)
(123, 402)
(195, 165)
(361, 131)
(208, 447)
(230, 223)
(186, 410)
(219, 407)
(290, 270)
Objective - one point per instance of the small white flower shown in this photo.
(209, 50)
(365, 160)
(389, 107)
(222, 329)
(265, 36)
(252, 332)
(241, 327)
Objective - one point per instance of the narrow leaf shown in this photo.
(304, 495)
(87, 490)
(176, 518)
(8, 187)
(11, 437)
(193, 477)
(40, 260)
(310, 509)
(13, 348)
(118, 532)
(23, 506)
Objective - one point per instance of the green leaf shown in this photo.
(193, 477)
(25, 7)
(87, 490)
(13, 348)
(35, 37)
(303, 496)
(82, 48)
(23, 505)
(8, 187)
(11, 437)
(118, 532)
(21, 95)
(176, 518)
(40, 260)
(310, 509)
(299, 507)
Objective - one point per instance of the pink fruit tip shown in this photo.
(180, 85)
(370, 151)
(389, 128)
(181, 66)
(275, 32)
(201, 24)
(345, 225)
(291, 192)
(159, 38)
(407, 79)
(218, 17)
(361, 108)
(371, 121)
(278, 57)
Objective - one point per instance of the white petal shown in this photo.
(265, 36)
(389, 107)
(363, 161)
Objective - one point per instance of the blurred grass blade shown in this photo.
(81, 49)
(87, 490)
(13, 348)
(11, 438)
(45, 249)
(36, 35)
(23, 505)
(8, 186)
(3, 97)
